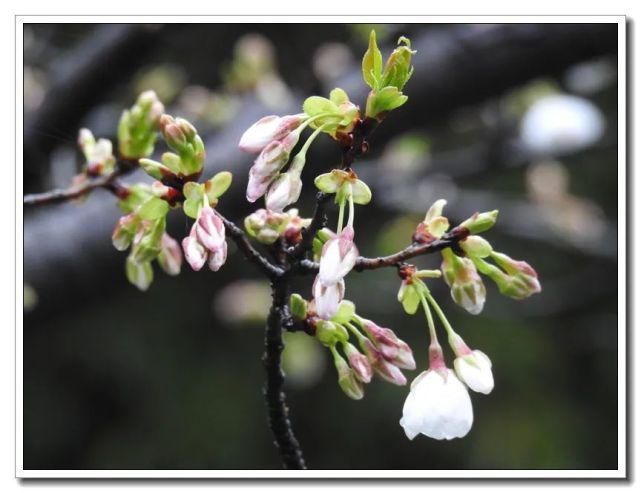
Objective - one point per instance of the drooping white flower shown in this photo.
(338, 257)
(327, 298)
(437, 406)
(475, 370)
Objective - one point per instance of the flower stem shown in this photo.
(350, 219)
(341, 213)
(430, 320)
(441, 315)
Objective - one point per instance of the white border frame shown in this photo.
(622, 223)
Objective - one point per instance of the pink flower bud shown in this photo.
(266, 130)
(522, 280)
(466, 286)
(385, 369)
(218, 257)
(327, 298)
(210, 229)
(267, 166)
(195, 253)
(359, 363)
(389, 372)
(170, 257)
(347, 380)
(125, 231)
(283, 191)
(338, 257)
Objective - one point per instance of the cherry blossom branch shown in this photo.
(449, 240)
(108, 182)
(56, 196)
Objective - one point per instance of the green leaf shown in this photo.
(372, 63)
(153, 208)
(398, 69)
(387, 99)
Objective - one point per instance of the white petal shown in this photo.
(475, 370)
(330, 261)
(327, 298)
(437, 407)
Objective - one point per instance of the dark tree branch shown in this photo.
(279, 318)
(318, 222)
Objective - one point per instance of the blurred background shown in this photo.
(519, 117)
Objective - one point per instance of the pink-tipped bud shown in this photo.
(266, 130)
(125, 231)
(522, 280)
(210, 229)
(170, 257)
(195, 253)
(218, 257)
(358, 362)
(466, 286)
(389, 372)
(383, 368)
(347, 380)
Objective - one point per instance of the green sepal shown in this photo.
(410, 297)
(345, 313)
(361, 193)
(217, 185)
(298, 306)
(194, 193)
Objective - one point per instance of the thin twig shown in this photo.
(450, 240)
(65, 195)
(318, 222)
(108, 182)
